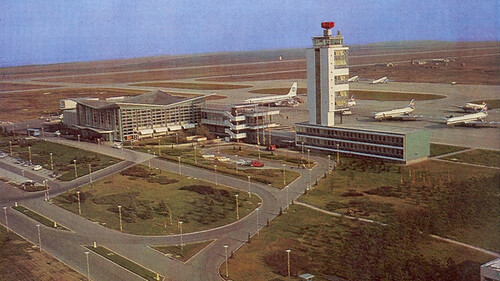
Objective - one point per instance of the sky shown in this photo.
(41, 32)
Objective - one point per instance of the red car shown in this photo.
(256, 163)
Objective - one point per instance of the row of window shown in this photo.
(354, 136)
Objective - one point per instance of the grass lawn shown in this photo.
(193, 86)
(270, 176)
(392, 96)
(183, 253)
(386, 192)
(295, 159)
(39, 218)
(329, 246)
(154, 201)
(441, 149)
(478, 156)
(20, 261)
(123, 262)
(62, 157)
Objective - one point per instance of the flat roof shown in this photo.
(368, 127)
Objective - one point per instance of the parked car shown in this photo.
(3, 154)
(243, 162)
(29, 182)
(54, 175)
(256, 163)
(37, 167)
(117, 145)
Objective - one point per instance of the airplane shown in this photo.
(469, 119)
(281, 100)
(472, 107)
(398, 114)
(380, 80)
(353, 79)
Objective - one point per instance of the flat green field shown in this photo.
(194, 86)
(393, 96)
(478, 156)
(270, 176)
(62, 157)
(183, 253)
(434, 196)
(441, 149)
(154, 201)
(324, 245)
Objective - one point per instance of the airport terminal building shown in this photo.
(136, 117)
(327, 89)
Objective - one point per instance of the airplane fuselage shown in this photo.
(467, 119)
(395, 113)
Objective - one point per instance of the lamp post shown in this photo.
(288, 260)
(79, 206)
(76, 173)
(225, 251)
(51, 162)
(149, 161)
(249, 193)
(90, 174)
(10, 148)
(284, 178)
(29, 153)
(308, 156)
(159, 147)
(180, 227)
(46, 183)
(120, 216)
(195, 155)
(236, 164)
(237, 208)
(215, 169)
(78, 138)
(258, 230)
(39, 238)
(310, 178)
(302, 148)
(179, 158)
(287, 188)
(329, 164)
(338, 158)
(6, 219)
(88, 265)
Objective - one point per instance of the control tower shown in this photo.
(327, 74)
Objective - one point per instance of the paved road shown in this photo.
(67, 246)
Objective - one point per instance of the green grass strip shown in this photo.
(185, 253)
(39, 218)
(125, 263)
(441, 149)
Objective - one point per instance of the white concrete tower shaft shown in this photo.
(327, 74)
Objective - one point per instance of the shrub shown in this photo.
(352, 193)
(383, 191)
(136, 171)
(206, 190)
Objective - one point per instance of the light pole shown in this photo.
(237, 208)
(288, 259)
(46, 183)
(215, 169)
(29, 153)
(308, 152)
(159, 147)
(51, 162)
(180, 227)
(218, 146)
(76, 173)
(249, 193)
(284, 178)
(78, 138)
(195, 155)
(236, 164)
(225, 251)
(178, 157)
(10, 148)
(310, 179)
(329, 164)
(39, 238)
(258, 230)
(79, 206)
(88, 265)
(6, 219)
(90, 174)
(120, 216)
(302, 148)
(338, 158)
(149, 161)
(287, 188)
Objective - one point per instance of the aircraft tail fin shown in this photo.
(412, 103)
(293, 90)
(485, 108)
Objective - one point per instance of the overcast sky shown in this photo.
(37, 32)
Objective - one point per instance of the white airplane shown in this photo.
(280, 100)
(380, 80)
(353, 79)
(472, 107)
(398, 114)
(469, 119)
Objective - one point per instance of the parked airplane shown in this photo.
(380, 80)
(472, 107)
(469, 119)
(353, 79)
(398, 114)
(281, 100)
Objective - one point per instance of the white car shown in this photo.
(3, 154)
(117, 145)
(37, 168)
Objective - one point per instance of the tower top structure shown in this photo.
(327, 39)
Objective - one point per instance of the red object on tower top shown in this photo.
(327, 24)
